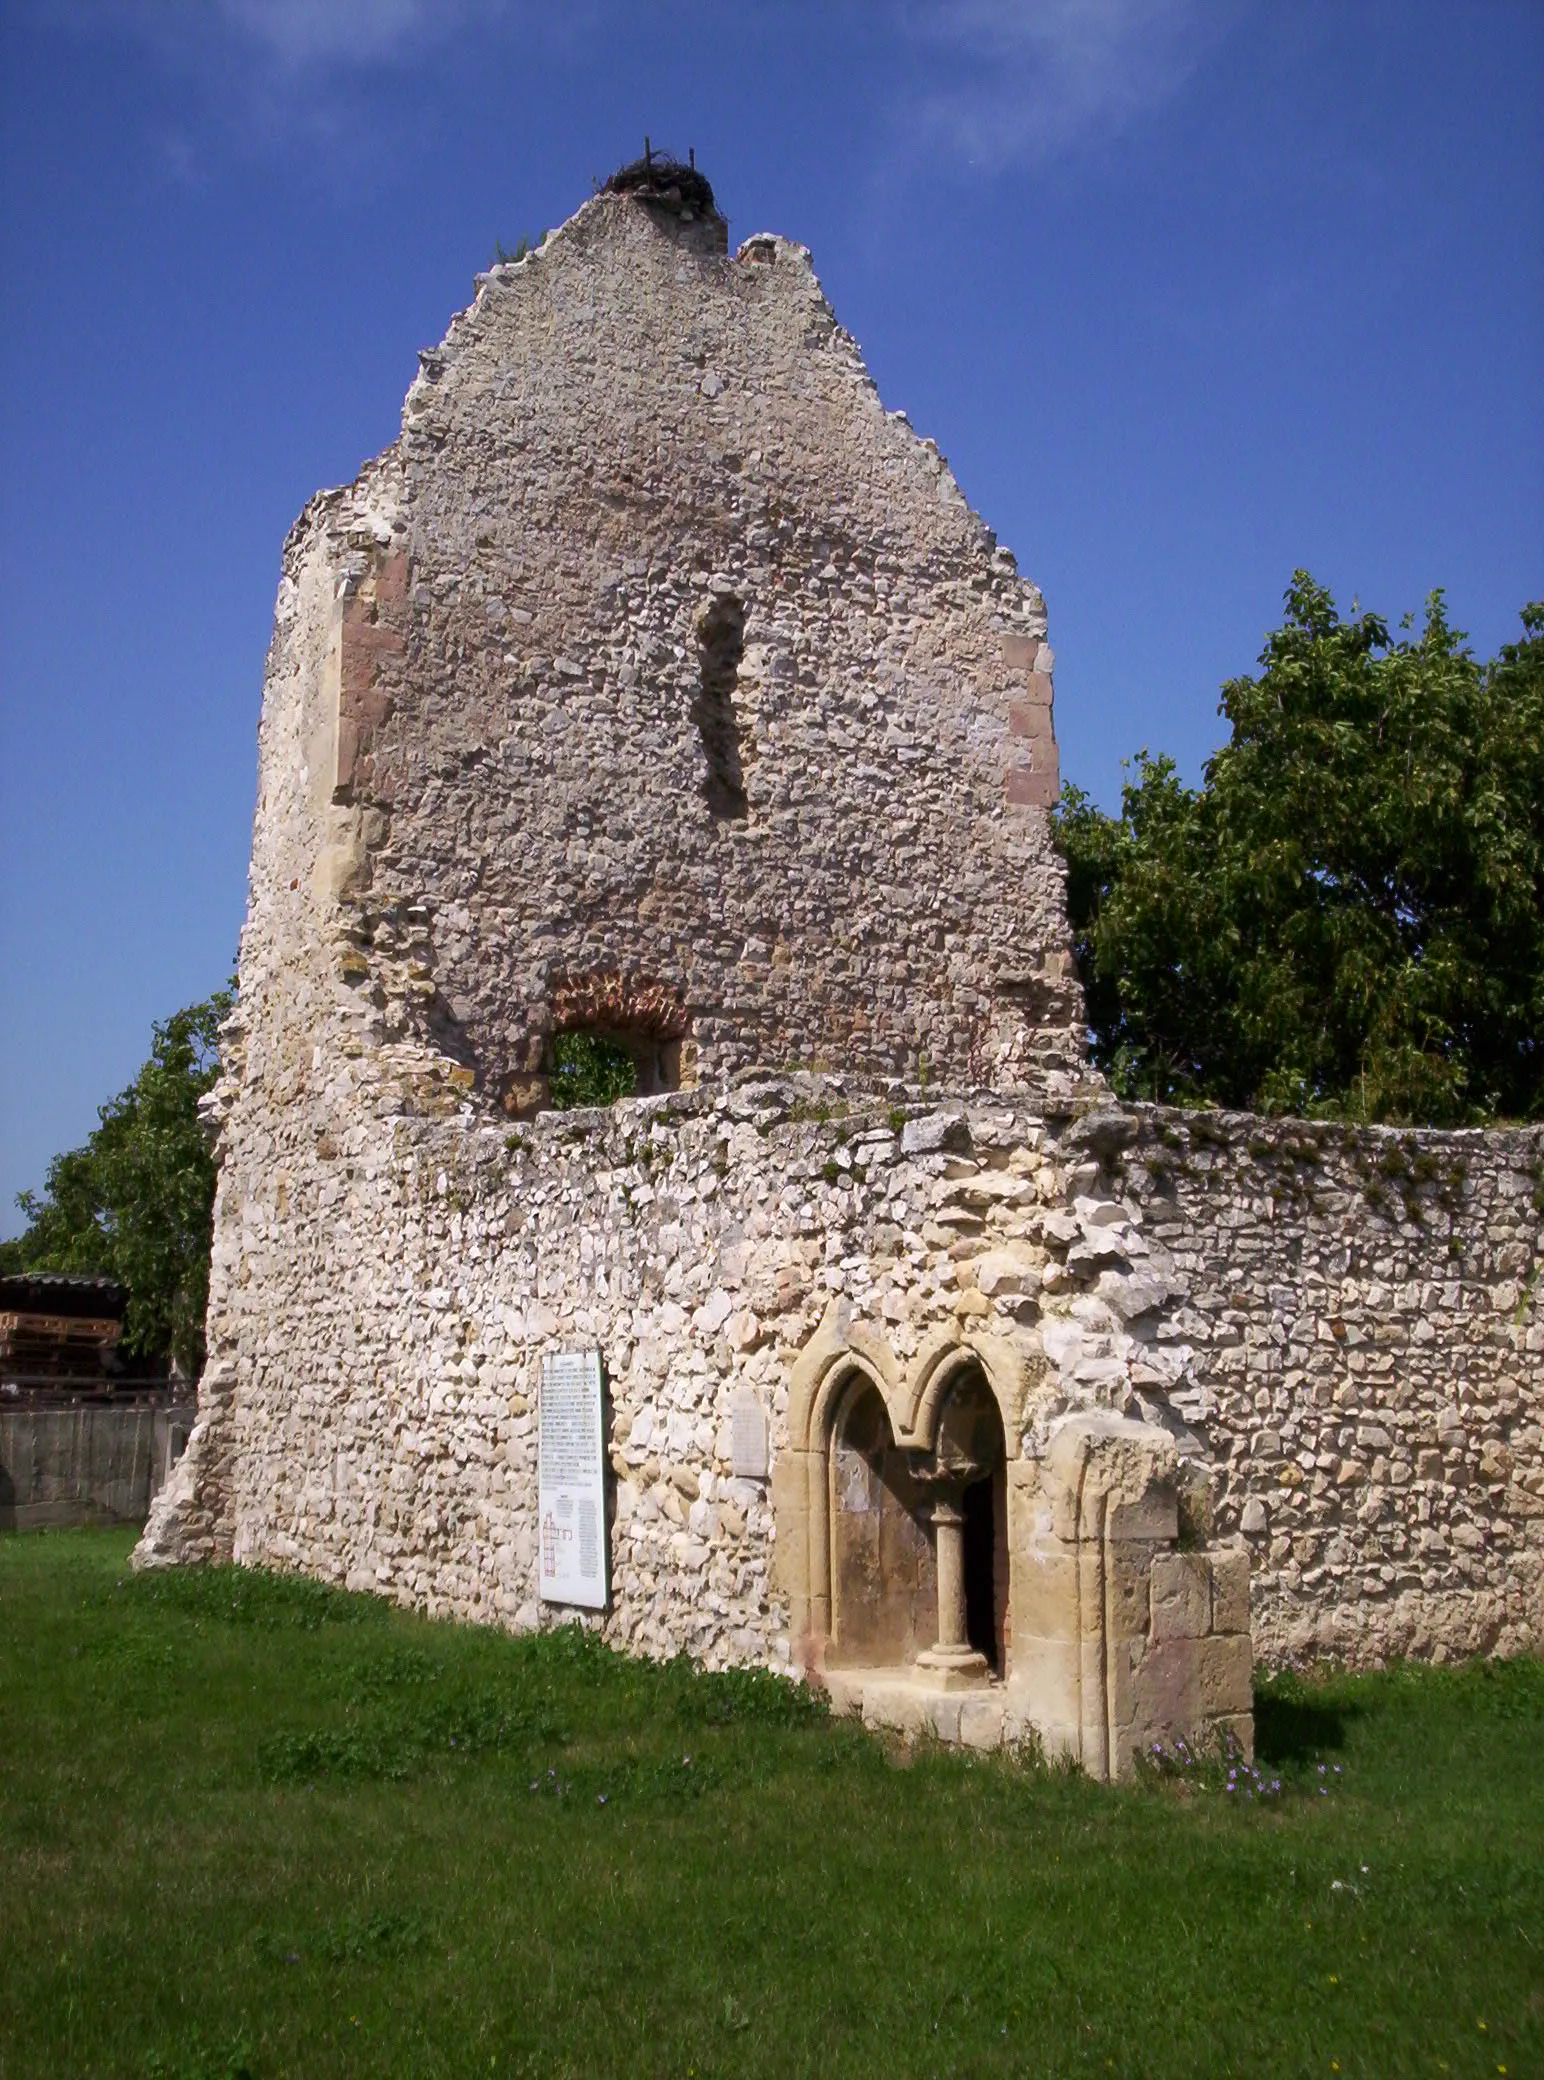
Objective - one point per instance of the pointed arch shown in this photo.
(919, 1402)
(838, 1347)
(838, 1352)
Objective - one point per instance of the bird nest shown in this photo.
(657, 177)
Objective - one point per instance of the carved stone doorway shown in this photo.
(919, 1537)
(966, 1473)
(884, 1589)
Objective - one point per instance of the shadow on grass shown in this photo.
(1297, 1718)
(1291, 1726)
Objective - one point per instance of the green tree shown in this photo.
(589, 1070)
(1347, 917)
(136, 1201)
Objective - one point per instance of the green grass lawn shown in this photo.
(251, 1825)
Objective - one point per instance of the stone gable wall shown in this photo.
(483, 813)
(628, 433)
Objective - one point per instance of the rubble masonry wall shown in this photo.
(1364, 1379)
(632, 446)
(1363, 1307)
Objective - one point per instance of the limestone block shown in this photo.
(1181, 1596)
(1126, 1566)
(1132, 1294)
(1099, 1466)
(1098, 1246)
(941, 1718)
(1007, 1272)
(1045, 1596)
(1032, 725)
(1166, 1694)
(1230, 1591)
(1048, 1674)
(1225, 1666)
(934, 1132)
(897, 1708)
(1152, 1517)
(980, 1722)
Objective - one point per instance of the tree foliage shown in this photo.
(588, 1069)
(136, 1201)
(1347, 917)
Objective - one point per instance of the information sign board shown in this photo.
(571, 1494)
(748, 1434)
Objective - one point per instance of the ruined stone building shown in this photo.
(659, 685)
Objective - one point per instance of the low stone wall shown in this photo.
(379, 1313)
(1343, 1325)
(1362, 1309)
(85, 1465)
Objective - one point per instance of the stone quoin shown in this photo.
(659, 685)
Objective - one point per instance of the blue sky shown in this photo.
(1189, 291)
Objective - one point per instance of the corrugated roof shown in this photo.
(62, 1292)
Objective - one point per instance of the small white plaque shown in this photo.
(570, 1483)
(747, 1435)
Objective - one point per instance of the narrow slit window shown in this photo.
(720, 647)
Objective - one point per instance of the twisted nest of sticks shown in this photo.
(660, 178)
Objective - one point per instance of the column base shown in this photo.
(962, 1663)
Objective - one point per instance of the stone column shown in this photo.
(949, 1530)
(953, 1653)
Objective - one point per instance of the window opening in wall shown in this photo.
(592, 1065)
(589, 1069)
(720, 647)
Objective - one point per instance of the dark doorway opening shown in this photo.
(971, 1452)
(982, 1625)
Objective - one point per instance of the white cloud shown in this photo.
(1026, 79)
(295, 41)
(297, 34)
(990, 82)
(255, 75)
